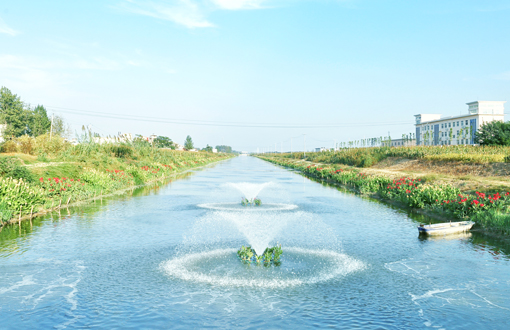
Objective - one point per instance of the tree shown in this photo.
(39, 123)
(494, 133)
(163, 142)
(188, 144)
(208, 148)
(223, 148)
(60, 127)
(12, 113)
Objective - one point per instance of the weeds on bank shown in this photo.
(88, 170)
(490, 210)
(366, 157)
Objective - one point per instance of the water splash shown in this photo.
(307, 266)
(258, 228)
(265, 207)
(249, 190)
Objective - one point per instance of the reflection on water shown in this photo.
(86, 210)
(155, 259)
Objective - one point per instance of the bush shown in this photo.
(11, 168)
(53, 146)
(122, 150)
(26, 144)
(10, 146)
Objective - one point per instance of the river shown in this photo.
(164, 257)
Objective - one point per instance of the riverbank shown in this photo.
(32, 185)
(433, 198)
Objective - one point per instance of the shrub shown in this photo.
(53, 146)
(10, 167)
(26, 144)
(10, 146)
(122, 150)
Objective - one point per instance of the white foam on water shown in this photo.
(26, 280)
(249, 190)
(267, 207)
(181, 268)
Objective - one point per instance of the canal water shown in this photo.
(165, 257)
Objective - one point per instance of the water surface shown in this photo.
(160, 259)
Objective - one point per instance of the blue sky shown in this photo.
(267, 70)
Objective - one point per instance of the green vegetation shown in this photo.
(491, 210)
(366, 157)
(188, 144)
(23, 120)
(494, 133)
(164, 142)
(41, 173)
(270, 255)
(253, 202)
(223, 148)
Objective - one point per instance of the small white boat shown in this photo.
(445, 228)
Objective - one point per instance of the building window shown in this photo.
(449, 124)
(457, 124)
(441, 125)
(466, 122)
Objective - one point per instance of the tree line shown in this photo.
(20, 118)
(494, 133)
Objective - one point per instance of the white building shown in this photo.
(432, 129)
(402, 143)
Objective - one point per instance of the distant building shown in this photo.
(432, 129)
(320, 149)
(126, 137)
(402, 143)
(214, 150)
(179, 147)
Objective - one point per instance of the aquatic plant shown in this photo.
(253, 202)
(270, 255)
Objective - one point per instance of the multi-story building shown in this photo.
(402, 143)
(432, 129)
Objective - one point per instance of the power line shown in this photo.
(214, 123)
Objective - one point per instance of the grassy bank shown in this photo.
(53, 173)
(366, 157)
(489, 210)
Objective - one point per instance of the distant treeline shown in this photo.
(22, 119)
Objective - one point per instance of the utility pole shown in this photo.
(291, 147)
(51, 127)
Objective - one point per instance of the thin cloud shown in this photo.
(7, 30)
(239, 4)
(184, 12)
(502, 76)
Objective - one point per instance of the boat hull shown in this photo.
(445, 228)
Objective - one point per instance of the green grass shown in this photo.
(490, 209)
(366, 157)
(58, 171)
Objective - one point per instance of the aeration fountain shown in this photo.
(308, 255)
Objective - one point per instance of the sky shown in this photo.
(255, 74)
